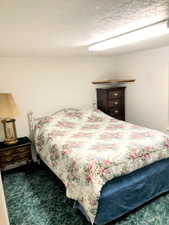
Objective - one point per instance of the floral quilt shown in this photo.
(87, 148)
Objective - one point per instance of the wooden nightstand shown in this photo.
(12, 156)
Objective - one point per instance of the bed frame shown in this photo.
(31, 125)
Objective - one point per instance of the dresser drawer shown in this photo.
(115, 111)
(115, 94)
(115, 103)
(118, 114)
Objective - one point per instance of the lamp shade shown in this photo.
(8, 107)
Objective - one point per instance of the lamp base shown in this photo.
(10, 131)
(10, 141)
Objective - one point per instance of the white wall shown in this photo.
(147, 98)
(45, 85)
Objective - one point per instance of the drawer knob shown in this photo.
(116, 103)
(116, 94)
(116, 111)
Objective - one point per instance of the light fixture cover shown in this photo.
(141, 34)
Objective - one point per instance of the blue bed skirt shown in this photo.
(123, 194)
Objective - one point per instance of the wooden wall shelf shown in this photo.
(113, 81)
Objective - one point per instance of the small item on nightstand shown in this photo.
(12, 156)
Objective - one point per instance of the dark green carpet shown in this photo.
(36, 197)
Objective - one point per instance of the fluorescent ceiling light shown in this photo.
(141, 34)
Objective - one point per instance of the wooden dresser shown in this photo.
(112, 101)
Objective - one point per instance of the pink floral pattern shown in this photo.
(66, 124)
(138, 135)
(110, 136)
(56, 133)
(104, 146)
(73, 114)
(44, 121)
(91, 126)
(82, 135)
(85, 149)
(95, 118)
(116, 126)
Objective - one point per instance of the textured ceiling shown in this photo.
(63, 27)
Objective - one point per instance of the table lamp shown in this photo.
(8, 110)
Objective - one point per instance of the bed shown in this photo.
(108, 166)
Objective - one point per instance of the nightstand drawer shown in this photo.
(17, 150)
(14, 162)
(14, 157)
